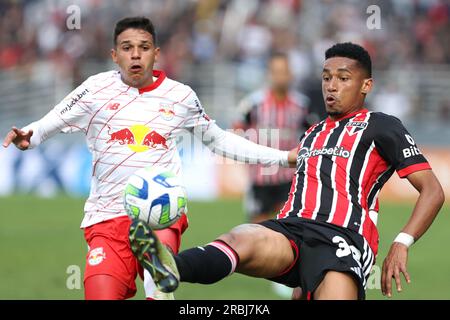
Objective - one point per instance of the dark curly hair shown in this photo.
(352, 51)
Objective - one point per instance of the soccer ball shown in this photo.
(155, 196)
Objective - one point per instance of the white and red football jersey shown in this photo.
(126, 129)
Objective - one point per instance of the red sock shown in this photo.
(170, 238)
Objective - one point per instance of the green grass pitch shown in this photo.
(40, 239)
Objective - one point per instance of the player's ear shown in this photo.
(114, 55)
(367, 86)
(157, 51)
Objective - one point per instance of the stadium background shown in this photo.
(218, 47)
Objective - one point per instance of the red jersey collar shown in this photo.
(160, 75)
(363, 110)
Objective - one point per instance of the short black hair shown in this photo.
(141, 23)
(352, 51)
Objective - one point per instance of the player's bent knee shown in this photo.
(244, 239)
(262, 252)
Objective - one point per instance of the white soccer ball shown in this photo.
(156, 196)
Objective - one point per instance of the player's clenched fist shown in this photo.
(394, 263)
(20, 138)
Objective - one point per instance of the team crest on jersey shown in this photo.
(113, 106)
(166, 111)
(353, 127)
(96, 256)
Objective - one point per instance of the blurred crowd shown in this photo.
(244, 32)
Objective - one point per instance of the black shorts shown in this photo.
(322, 247)
(266, 199)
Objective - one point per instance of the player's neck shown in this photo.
(140, 86)
(350, 113)
(279, 95)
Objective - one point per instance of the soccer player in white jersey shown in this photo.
(131, 119)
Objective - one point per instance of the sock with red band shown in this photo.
(207, 264)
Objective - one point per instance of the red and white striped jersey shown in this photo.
(342, 165)
(126, 129)
(262, 112)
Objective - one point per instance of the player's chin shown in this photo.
(135, 75)
(135, 78)
(334, 112)
(332, 109)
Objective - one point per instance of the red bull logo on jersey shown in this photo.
(138, 138)
(166, 111)
(96, 256)
(154, 139)
(113, 106)
(124, 136)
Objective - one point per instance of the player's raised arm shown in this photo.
(70, 115)
(236, 147)
(228, 144)
(426, 209)
(36, 132)
(20, 138)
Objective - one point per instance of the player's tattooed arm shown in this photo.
(21, 139)
(428, 204)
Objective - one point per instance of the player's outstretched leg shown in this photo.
(153, 256)
(249, 249)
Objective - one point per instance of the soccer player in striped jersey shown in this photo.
(131, 118)
(277, 106)
(325, 239)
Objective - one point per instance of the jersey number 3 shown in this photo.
(344, 249)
